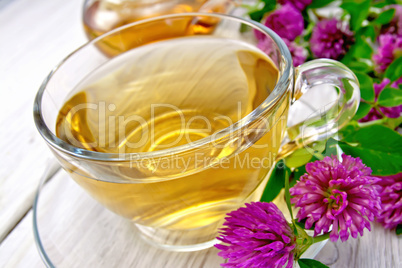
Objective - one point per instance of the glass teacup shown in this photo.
(178, 130)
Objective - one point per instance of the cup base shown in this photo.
(180, 240)
(181, 248)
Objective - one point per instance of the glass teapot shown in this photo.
(101, 16)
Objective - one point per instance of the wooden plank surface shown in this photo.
(379, 248)
(35, 36)
(77, 232)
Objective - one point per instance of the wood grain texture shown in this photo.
(376, 249)
(77, 232)
(18, 250)
(35, 36)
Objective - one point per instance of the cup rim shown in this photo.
(267, 104)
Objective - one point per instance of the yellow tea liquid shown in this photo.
(163, 95)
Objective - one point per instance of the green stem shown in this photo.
(318, 155)
(320, 238)
(379, 110)
(372, 103)
(375, 122)
(287, 198)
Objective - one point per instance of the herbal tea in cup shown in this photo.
(175, 133)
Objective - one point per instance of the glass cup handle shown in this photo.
(329, 73)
